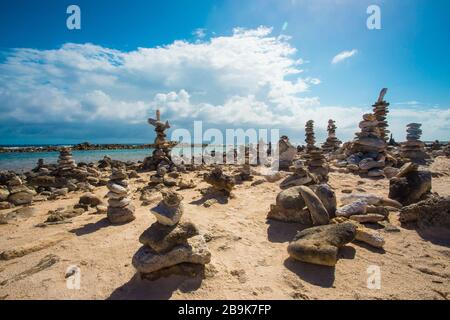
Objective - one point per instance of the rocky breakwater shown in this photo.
(120, 209)
(171, 245)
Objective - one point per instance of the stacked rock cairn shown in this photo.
(286, 153)
(120, 209)
(414, 149)
(19, 193)
(368, 148)
(161, 154)
(65, 160)
(171, 245)
(316, 161)
(332, 143)
(380, 110)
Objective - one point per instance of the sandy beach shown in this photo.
(249, 257)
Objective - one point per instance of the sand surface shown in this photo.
(249, 257)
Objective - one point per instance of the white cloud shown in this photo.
(343, 56)
(249, 78)
(199, 33)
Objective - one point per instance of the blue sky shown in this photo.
(232, 64)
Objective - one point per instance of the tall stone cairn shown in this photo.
(380, 110)
(65, 160)
(368, 140)
(310, 138)
(120, 208)
(161, 155)
(332, 143)
(316, 161)
(171, 245)
(414, 149)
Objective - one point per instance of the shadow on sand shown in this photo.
(436, 235)
(279, 231)
(91, 227)
(318, 275)
(161, 289)
(211, 194)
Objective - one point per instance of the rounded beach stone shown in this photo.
(121, 215)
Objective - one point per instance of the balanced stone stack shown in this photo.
(369, 139)
(332, 143)
(65, 160)
(18, 192)
(286, 153)
(316, 161)
(300, 176)
(171, 245)
(161, 154)
(310, 138)
(120, 209)
(380, 110)
(414, 149)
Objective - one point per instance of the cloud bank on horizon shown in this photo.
(250, 78)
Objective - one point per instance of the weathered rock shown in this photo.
(90, 199)
(319, 214)
(410, 188)
(162, 238)
(355, 208)
(119, 203)
(219, 180)
(365, 218)
(20, 198)
(371, 199)
(186, 184)
(369, 236)
(4, 193)
(433, 213)
(290, 207)
(148, 261)
(121, 215)
(327, 196)
(116, 188)
(170, 209)
(319, 245)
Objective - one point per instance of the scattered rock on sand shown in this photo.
(319, 245)
(319, 215)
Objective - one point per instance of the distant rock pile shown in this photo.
(332, 143)
(380, 110)
(65, 160)
(300, 176)
(120, 209)
(18, 192)
(171, 245)
(414, 149)
(219, 180)
(316, 161)
(286, 153)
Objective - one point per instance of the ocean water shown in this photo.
(25, 161)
